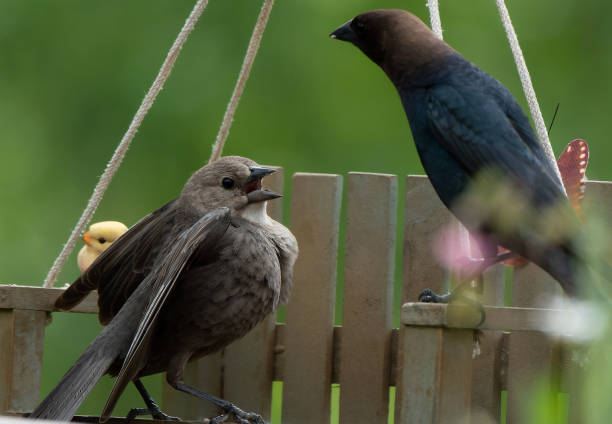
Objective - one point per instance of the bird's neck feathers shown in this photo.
(404, 66)
(408, 46)
(255, 213)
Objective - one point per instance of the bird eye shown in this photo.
(358, 25)
(227, 183)
(102, 240)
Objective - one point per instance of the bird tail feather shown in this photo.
(65, 399)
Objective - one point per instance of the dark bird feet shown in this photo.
(157, 414)
(428, 296)
(231, 410)
(237, 415)
(152, 406)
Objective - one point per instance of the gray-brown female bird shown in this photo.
(185, 281)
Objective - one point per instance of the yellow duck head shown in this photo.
(99, 237)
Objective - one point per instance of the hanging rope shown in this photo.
(434, 17)
(115, 161)
(532, 101)
(249, 58)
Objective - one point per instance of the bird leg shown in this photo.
(472, 269)
(152, 407)
(231, 410)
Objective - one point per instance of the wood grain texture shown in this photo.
(279, 353)
(532, 357)
(425, 216)
(368, 298)
(468, 316)
(435, 375)
(21, 349)
(315, 213)
(598, 205)
(41, 299)
(486, 371)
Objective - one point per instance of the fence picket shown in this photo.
(425, 216)
(315, 215)
(487, 366)
(598, 201)
(368, 298)
(22, 334)
(532, 357)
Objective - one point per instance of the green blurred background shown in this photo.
(72, 74)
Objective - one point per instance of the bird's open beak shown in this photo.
(257, 173)
(344, 33)
(253, 188)
(87, 238)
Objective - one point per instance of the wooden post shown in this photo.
(368, 298)
(435, 375)
(315, 215)
(532, 357)
(425, 352)
(21, 347)
(598, 202)
(487, 366)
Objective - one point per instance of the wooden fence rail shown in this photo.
(428, 359)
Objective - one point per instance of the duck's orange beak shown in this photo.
(87, 238)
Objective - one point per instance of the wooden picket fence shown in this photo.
(428, 359)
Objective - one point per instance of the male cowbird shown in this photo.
(99, 238)
(185, 281)
(468, 128)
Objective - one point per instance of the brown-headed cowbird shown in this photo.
(468, 128)
(185, 281)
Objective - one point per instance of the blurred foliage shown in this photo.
(72, 74)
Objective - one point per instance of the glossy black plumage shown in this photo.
(466, 124)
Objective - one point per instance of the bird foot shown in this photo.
(238, 415)
(429, 296)
(156, 414)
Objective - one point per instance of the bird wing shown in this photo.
(201, 236)
(513, 111)
(479, 135)
(120, 273)
(120, 269)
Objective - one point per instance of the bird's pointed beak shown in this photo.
(262, 195)
(257, 173)
(344, 33)
(254, 191)
(87, 238)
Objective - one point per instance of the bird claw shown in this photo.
(429, 296)
(238, 415)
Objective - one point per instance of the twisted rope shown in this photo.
(120, 151)
(245, 71)
(532, 101)
(434, 17)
